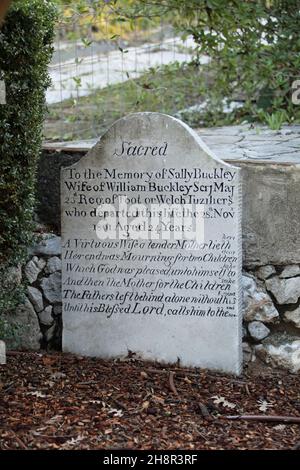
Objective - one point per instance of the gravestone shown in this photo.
(151, 248)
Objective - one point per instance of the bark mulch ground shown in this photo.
(60, 401)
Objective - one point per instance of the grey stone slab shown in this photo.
(271, 214)
(33, 268)
(163, 297)
(36, 298)
(258, 330)
(293, 316)
(53, 265)
(45, 316)
(51, 287)
(285, 291)
(290, 271)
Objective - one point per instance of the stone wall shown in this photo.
(271, 247)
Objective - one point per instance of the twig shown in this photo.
(180, 373)
(171, 382)
(19, 441)
(274, 418)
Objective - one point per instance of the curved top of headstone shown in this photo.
(150, 137)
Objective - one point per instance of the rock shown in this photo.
(265, 271)
(49, 246)
(290, 271)
(293, 316)
(247, 352)
(50, 333)
(52, 288)
(33, 268)
(25, 323)
(46, 316)
(57, 310)
(285, 291)
(2, 352)
(258, 330)
(285, 355)
(257, 304)
(36, 298)
(53, 265)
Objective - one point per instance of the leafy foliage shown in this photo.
(25, 37)
(253, 45)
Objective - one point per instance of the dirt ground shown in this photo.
(60, 401)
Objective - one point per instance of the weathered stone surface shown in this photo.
(257, 304)
(46, 316)
(53, 265)
(268, 218)
(258, 330)
(285, 354)
(2, 352)
(51, 287)
(290, 271)
(50, 333)
(285, 291)
(265, 271)
(49, 246)
(293, 316)
(25, 321)
(247, 352)
(57, 310)
(164, 160)
(33, 268)
(36, 298)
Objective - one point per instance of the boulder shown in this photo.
(36, 298)
(53, 265)
(284, 354)
(257, 304)
(258, 330)
(33, 268)
(264, 272)
(57, 310)
(49, 246)
(290, 271)
(285, 291)
(24, 323)
(45, 316)
(52, 288)
(293, 316)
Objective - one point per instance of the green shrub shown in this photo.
(25, 50)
